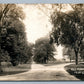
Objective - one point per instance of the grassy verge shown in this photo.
(55, 63)
(76, 70)
(8, 69)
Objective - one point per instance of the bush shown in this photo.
(5, 56)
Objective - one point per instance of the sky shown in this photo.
(36, 23)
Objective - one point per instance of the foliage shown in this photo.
(82, 51)
(68, 28)
(5, 56)
(12, 34)
(70, 52)
(43, 50)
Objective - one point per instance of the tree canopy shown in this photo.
(12, 34)
(43, 50)
(68, 28)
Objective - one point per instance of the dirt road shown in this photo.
(41, 72)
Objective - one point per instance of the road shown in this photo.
(41, 72)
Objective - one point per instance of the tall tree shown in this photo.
(68, 28)
(43, 50)
(12, 30)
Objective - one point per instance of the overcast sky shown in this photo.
(36, 22)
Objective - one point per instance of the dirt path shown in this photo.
(41, 72)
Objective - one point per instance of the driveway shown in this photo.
(41, 72)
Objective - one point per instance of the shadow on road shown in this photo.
(11, 70)
(79, 76)
(76, 70)
(11, 73)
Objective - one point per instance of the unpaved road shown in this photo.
(41, 72)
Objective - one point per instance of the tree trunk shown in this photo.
(70, 59)
(0, 53)
(1, 68)
(76, 59)
(83, 59)
(0, 61)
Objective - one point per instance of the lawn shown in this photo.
(76, 70)
(8, 69)
(50, 63)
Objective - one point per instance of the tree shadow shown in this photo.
(76, 70)
(15, 70)
(11, 73)
(77, 75)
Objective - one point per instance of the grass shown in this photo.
(55, 63)
(8, 69)
(76, 70)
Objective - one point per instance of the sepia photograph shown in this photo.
(41, 42)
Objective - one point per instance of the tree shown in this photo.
(69, 52)
(82, 51)
(12, 34)
(68, 28)
(43, 50)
